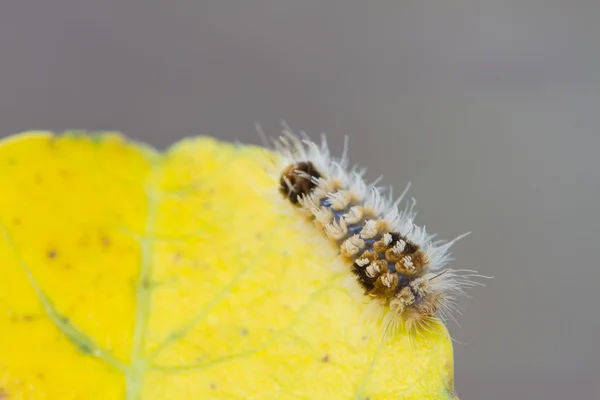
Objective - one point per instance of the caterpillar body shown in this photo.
(397, 263)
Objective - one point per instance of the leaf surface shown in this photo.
(126, 273)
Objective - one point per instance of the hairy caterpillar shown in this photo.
(397, 264)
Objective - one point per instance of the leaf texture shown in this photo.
(127, 273)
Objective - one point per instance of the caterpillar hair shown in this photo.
(397, 263)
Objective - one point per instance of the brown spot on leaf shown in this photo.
(325, 358)
(105, 241)
(52, 254)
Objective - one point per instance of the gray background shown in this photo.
(490, 108)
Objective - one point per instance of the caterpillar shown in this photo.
(396, 263)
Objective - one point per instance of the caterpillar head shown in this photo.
(298, 180)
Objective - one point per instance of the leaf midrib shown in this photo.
(135, 373)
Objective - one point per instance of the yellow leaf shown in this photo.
(126, 273)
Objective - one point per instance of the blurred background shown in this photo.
(490, 108)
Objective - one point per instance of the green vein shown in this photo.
(363, 382)
(225, 290)
(182, 331)
(249, 352)
(135, 374)
(78, 337)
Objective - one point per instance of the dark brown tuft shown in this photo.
(361, 276)
(297, 180)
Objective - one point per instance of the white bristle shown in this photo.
(367, 211)
(354, 215)
(369, 230)
(352, 246)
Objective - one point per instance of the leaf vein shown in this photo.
(77, 336)
(249, 352)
